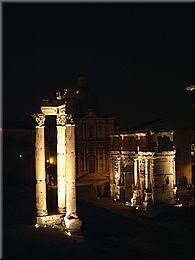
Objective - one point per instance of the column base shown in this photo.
(61, 210)
(147, 203)
(49, 220)
(136, 199)
(164, 196)
(73, 225)
(42, 213)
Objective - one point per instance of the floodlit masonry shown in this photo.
(143, 168)
(66, 168)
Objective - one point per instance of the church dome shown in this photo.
(86, 99)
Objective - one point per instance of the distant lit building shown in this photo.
(93, 144)
(143, 167)
(152, 158)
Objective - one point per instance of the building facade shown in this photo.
(93, 144)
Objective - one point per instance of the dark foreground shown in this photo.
(108, 232)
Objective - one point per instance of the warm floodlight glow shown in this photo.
(191, 88)
(68, 233)
(36, 226)
(178, 205)
(67, 222)
(51, 160)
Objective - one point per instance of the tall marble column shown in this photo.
(70, 170)
(151, 171)
(41, 204)
(146, 174)
(61, 157)
(135, 172)
(112, 183)
(174, 173)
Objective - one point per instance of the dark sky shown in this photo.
(138, 58)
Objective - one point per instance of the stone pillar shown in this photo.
(174, 174)
(41, 204)
(70, 170)
(120, 184)
(61, 156)
(151, 171)
(135, 172)
(146, 174)
(112, 184)
(84, 160)
(164, 175)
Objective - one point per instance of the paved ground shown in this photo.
(109, 230)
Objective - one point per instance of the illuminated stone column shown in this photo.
(174, 174)
(164, 177)
(61, 156)
(112, 184)
(146, 174)
(135, 172)
(70, 170)
(41, 204)
(151, 171)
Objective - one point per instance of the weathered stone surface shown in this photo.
(40, 172)
(73, 224)
(70, 170)
(66, 166)
(164, 177)
(49, 220)
(61, 175)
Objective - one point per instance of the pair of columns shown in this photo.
(66, 168)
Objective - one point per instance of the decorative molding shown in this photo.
(39, 119)
(61, 120)
(49, 110)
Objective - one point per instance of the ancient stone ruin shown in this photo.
(66, 168)
(143, 168)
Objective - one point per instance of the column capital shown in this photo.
(69, 119)
(39, 119)
(61, 120)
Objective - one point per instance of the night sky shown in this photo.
(138, 58)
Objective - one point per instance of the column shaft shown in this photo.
(70, 170)
(174, 173)
(146, 174)
(135, 172)
(41, 204)
(61, 153)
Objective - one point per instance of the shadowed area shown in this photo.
(109, 231)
